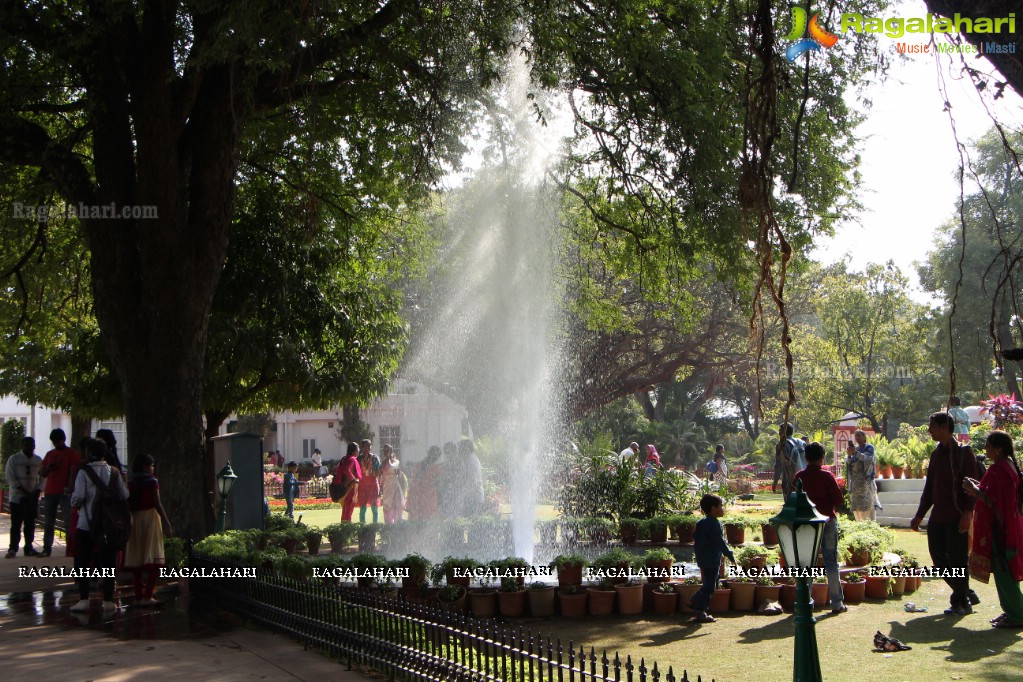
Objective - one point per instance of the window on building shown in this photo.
(308, 445)
(391, 435)
(120, 435)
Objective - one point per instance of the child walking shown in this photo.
(145, 550)
(710, 546)
(291, 485)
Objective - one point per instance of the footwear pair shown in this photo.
(31, 552)
(839, 608)
(959, 610)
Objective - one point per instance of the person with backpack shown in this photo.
(98, 490)
(145, 550)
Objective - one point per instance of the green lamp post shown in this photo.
(800, 530)
(225, 481)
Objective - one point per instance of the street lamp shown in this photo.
(225, 481)
(800, 530)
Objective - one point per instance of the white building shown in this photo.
(411, 418)
(39, 420)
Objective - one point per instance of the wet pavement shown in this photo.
(41, 639)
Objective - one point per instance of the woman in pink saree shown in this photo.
(998, 528)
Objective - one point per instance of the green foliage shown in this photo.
(658, 554)
(563, 560)
(11, 433)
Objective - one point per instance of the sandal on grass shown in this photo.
(1006, 623)
(998, 619)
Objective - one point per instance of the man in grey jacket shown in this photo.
(22, 475)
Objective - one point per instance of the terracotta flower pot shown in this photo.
(886, 471)
(742, 596)
(541, 602)
(452, 579)
(683, 532)
(735, 534)
(685, 593)
(771, 592)
(511, 604)
(859, 558)
(854, 592)
(897, 471)
(913, 583)
(719, 600)
(458, 604)
(787, 597)
(659, 571)
(899, 586)
(770, 534)
(570, 574)
(659, 534)
(483, 603)
(601, 602)
(910, 472)
(313, 541)
(289, 545)
(759, 562)
(819, 594)
(877, 587)
(630, 599)
(572, 605)
(665, 603)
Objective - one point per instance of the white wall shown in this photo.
(39, 421)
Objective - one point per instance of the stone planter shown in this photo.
(665, 603)
(601, 602)
(572, 605)
(541, 602)
(742, 596)
(630, 599)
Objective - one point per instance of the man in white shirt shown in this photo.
(22, 473)
(629, 452)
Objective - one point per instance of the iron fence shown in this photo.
(409, 641)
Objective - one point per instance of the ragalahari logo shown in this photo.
(818, 36)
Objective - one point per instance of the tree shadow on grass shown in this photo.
(942, 633)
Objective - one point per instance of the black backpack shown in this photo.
(110, 516)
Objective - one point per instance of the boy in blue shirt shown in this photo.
(290, 486)
(710, 546)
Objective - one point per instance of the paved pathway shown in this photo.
(41, 640)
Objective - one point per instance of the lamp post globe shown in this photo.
(800, 530)
(225, 481)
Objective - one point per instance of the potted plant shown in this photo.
(767, 589)
(418, 568)
(614, 565)
(686, 588)
(541, 600)
(787, 595)
(854, 587)
(630, 597)
(682, 527)
(367, 568)
(658, 563)
(628, 531)
(878, 586)
(511, 598)
(483, 600)
(755, 556)
(455, 570)
(368, 537)
(452, 598)
(295, 567)
(735, 530)
(572, 601)
(570, 569)
(743, 593)
(341, 535)
(656, 529)
(601, 598)
(819, 591)
(665, 599)
(313, 537)
(720, 600)
(513, 567)
(863, 548)
(326, 566)
(770, 534)
(598, 529)
(897, 461)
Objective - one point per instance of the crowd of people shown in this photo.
(72, 481)
(434, 488)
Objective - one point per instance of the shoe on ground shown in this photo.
(705, 618)
(972, 596)
(1007, 623)
(839, 608)
(109, 607)
(43, 554)
(959, 610)
(997, 619)
(31, 552)
(81, 607)
(11, 553)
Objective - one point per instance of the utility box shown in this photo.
(245, 453)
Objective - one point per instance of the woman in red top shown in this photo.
(369, 485)
(348, 474)
(998, 528)
(149, 524)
